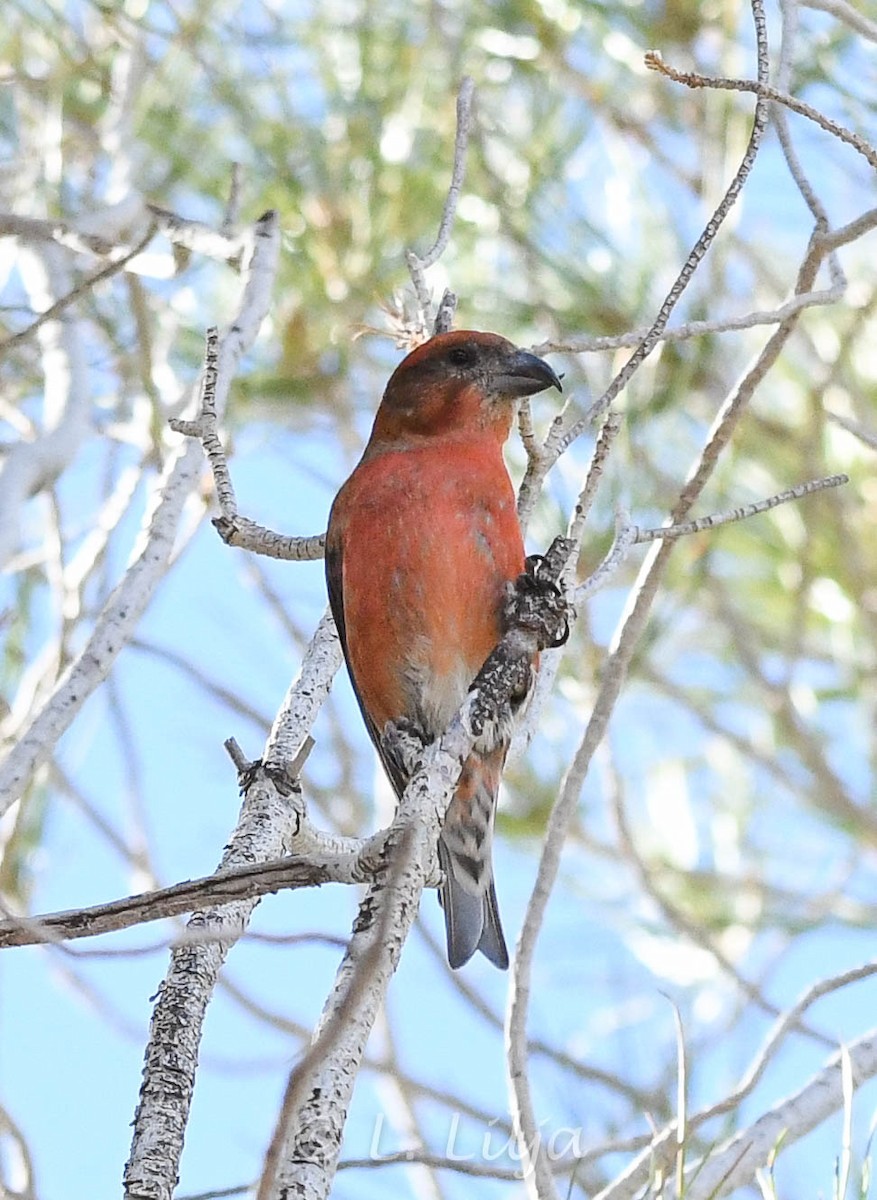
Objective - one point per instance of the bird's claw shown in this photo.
(535, 602)
(371, 859)
(286, 784)
(403, 742)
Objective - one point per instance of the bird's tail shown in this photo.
(467, 894)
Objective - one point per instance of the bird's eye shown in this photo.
(462, 356)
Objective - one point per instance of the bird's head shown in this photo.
(459, 383)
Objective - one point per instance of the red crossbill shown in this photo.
(422, 544)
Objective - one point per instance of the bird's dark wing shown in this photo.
(335, 587)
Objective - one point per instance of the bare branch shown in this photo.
(698, 250)
(609, 432)
(249, 535)
(247, 882)
(693, 329)
(655, 62)
(866, 436)
(625, 538)
(739, 514)
(234, 529)
(832, 239)
(204, 427)
(790, 26)
(417, 265)
(444, 317)
(127, 603)
(35, 229)
(269, 825)
(847, 14)
(361, 987)
(81, 289)
(438, 1162)
(100, 235)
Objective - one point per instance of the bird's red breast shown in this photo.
(430, 537)
(422, 541)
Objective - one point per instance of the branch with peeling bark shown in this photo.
(268, 826)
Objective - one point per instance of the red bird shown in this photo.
(423, 540)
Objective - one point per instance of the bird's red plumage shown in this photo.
(422, 541)
(430, 537)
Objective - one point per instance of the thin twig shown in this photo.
(205, 428)
(461, 143)
(609, 432)
(790, 19)
(418, 264)
(539, 1180)
(698, 250)
(667, 532)
(764, 91)
(246, 882)
(438, 1162)
(867, 436)
(693, 329)
(118, 619)
(444, 317)
(833, 239)
(625, 538)
(234, 529)
(81, 289)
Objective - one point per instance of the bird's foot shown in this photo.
(286, 783)
(535, 603)
(372, 858)
(403, 743)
